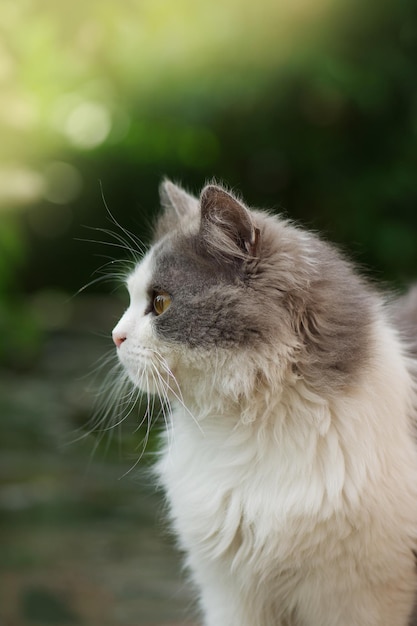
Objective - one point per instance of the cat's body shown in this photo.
(289, 462)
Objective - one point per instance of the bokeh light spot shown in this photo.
(88, 125)
(19, 185)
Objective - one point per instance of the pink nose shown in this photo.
(118, 339)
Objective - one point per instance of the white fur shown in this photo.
(293, 509)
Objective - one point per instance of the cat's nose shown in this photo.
(118, 339)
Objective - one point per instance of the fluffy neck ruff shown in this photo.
(314, 456)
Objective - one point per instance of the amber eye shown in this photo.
(161, 302)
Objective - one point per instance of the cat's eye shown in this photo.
(161, 302)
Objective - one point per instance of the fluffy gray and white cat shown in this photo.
(289, 462)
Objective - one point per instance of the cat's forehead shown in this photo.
(171, 262)
(181, 261)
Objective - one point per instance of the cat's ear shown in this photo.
(179, 207)
(227, 224)
(174, 197)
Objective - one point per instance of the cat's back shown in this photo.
(405, 318)
(404, 315)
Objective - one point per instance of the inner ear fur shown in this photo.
(232, 221)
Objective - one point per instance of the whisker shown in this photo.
(111, 244)
(146, 436)
(112, 409)
(133, 238)
(100, 279)
(165, 405)
(177, 396)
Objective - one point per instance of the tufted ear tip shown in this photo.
(179, 209)
(175, 197)
(167, 191)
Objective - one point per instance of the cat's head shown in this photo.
(230, 302)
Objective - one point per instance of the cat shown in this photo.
(289, 459)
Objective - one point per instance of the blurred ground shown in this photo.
(80, 543)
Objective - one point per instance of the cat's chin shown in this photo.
(149, 372)
(151, 385)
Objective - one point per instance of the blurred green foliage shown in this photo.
(308, 108)
(20, 333)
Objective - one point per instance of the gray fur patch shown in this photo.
(207, 308)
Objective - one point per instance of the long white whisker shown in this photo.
(177, 395)
(165, 406)
(160, 386)
(135, 253)
(133, 238)
(142, 421)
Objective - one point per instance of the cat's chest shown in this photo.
(225, 491)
